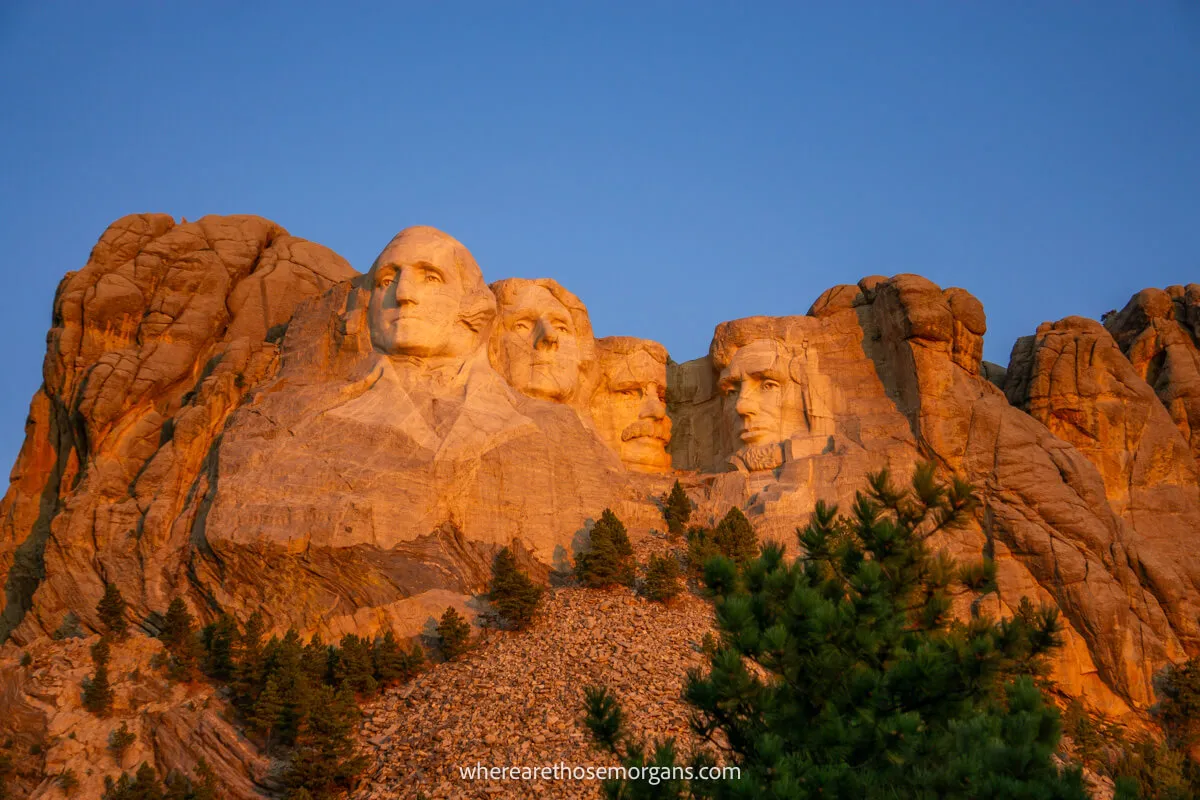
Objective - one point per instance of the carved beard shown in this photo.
(758, 458)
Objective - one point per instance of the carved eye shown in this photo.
(730, 389)
(631, 392)
(561, 328)
(770, 385)
(433, 277)
(522, 326)
(386, 281)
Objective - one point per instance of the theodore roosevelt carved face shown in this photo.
(629, 405)
(542, 342)
(428, 298)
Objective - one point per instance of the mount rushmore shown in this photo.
(234, 415)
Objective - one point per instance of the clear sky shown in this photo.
(674, 164)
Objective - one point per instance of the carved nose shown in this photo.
(745, 407)
(545, 336)
(652, 407)
(405, 294)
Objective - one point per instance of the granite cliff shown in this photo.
(235, 416)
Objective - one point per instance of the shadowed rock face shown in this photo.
(235, 416)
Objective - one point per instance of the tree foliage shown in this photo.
(842, 673)
(454, 634)
(111, 609)
(662, 578)
(512, 593)
(677, 510)
(733, 537)
(609, 558)
(97, 691)
(300, 699)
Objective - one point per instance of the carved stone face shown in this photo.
(758, 392)
(416, 297)
(630, 409)
(538, 350)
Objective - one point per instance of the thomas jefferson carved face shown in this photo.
(758, 392)
(536, 343)
(426, 297)
(630, 405)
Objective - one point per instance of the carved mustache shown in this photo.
(654, 428)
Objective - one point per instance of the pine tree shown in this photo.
(297, 688)
(178, 625)
(178, 635)
(97, 693)
(317, 660)
(267, 709)
(609, 559)
(393, 663)
(219, 640)
(324, 763)
(662, 579)
(677, 510)
(249, 663)
(111, 610)
(454, 633)
(514, 596)
(604, 716)
(862, 684)
(354, 667)
(735, 537)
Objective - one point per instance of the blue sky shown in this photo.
(674, 164)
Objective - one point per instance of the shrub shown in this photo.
(111, 610)
(69, 627)
(609, 559)
(662, 579)
(454, 634)
(67, 781)
(677, 510)
(97, 693)
(119, 740)
(514, 596)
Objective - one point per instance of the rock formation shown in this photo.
(233, 415)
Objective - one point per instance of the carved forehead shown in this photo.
(512, 292)
(533, 298)
(423, 243)
(635, 369)
(760, 357)
(627, 360)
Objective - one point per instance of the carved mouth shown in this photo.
(646, 429)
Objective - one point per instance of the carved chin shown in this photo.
(545, 386)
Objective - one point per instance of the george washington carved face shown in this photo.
(428, 298)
